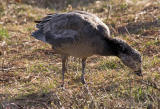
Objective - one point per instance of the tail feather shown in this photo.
(37, 21)
(38, 34)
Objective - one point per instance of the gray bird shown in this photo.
(81, 34)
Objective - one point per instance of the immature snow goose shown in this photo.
(81, 34)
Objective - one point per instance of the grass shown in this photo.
(30, 72)
(3, 34)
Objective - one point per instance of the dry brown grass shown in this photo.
(30, 72)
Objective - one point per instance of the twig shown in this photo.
(151, 84)
(18, 31)
(11, 68)
(127, 31)
(2, 66)
(129, 34)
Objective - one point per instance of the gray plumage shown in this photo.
(81, 34)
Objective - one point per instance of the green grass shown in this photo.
(1, 9)
(110, 64)
(30, 72)
(3, 34)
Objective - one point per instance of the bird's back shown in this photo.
(77, 33)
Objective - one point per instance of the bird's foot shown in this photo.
(62, 84)
(83, 80)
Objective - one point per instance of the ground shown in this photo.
(30, 72)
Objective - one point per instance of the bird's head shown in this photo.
(130, 57)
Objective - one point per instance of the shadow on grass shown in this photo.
(84, 96)
(57, 99)
(137, 27)
(34, 100)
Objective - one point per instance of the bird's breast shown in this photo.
(79, 50)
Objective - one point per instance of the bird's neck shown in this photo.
(112, 47)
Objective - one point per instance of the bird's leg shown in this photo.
(83, 70)
(64, 69)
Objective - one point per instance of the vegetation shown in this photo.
(30, 72)
(3, 34)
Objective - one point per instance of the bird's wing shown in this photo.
(80, 23)
(56, 22)
(63, 37)
(58, 28)
(48, 22)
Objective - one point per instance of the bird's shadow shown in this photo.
(35, 100)
(52, 99)
(45, 100)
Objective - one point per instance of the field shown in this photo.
(30, 71)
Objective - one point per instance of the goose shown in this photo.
(81, 34)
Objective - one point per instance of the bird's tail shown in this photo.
(37, 21)
(38, 34)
